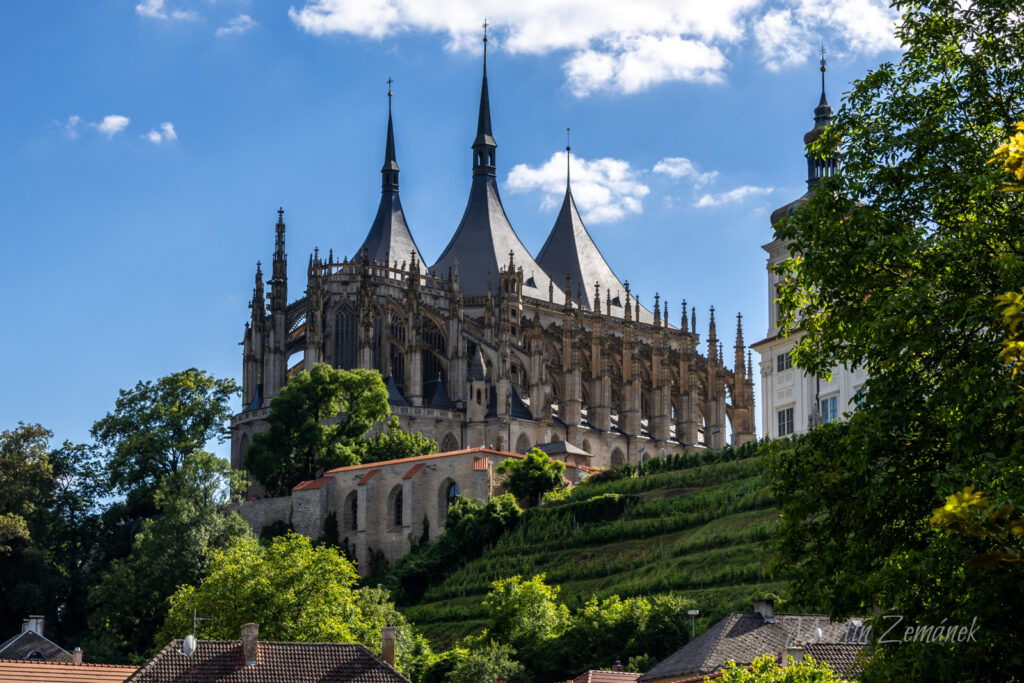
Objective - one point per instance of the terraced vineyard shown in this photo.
(696, 531)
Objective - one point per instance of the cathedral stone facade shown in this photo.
(491, 346)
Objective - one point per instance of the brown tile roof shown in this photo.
(367, 477)
(28, 671)
(601, 676)
(480, 464)
(842, 657)
(221, 661)
(412, 471)
(312, 484)
(25, 643)
(741, 637)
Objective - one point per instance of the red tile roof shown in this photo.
(367, 477)
(412, 471)
(221, 661)
(418, 458)
(29, 671)
(312, 484)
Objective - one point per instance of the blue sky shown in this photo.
(148, 145)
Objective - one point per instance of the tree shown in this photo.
(156, 426)
(296, 592)
(487, 662)
(524, 612)
(533, 476)
(317, 422)
(174, 548)
(395, 444)
(49, 523)
(765, 669)
(897, 260)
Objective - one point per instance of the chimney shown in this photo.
(617, 666)
(766, 608)
(387, 644)
(250, 643)
(794, 651)
(34, 623)
(77, 654)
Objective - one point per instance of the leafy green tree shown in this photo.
(51, 498)
(765, 669)
(130, 601)
(396, 443)
(156, 426)
(533, 476)
(523, 612)
(471, 527)
(25, 477)
(317, 422)
(897, 261)
(485, 663)
(295, 591)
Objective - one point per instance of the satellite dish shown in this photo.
(188, 646)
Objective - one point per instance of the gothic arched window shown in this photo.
(346, 345)
(449, 443)
(453, 493)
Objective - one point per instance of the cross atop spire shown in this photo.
(568, 153)
(821, 53)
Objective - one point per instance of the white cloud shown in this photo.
(236, 26)
(154, 9)
(732, 196)
(681, 167)
(71, 126)
(166, 133)
(112, 124)
(605, 189)
(622, 47)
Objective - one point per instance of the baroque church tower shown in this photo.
(793, 401)
(491, 346)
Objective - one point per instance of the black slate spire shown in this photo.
(389, 239)
(484, 144)
(389, 172)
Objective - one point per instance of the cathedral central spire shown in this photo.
(389, 172)
(818, 168)
(484, 144)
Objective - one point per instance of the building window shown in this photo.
(398, 508)
(453, 493)
(783, 362)
(829, 409)
(785, 421)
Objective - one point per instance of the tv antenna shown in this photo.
(190, 643)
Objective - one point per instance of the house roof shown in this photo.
(602, 676)
(312, 484)
(842, 657)
(374, 467)
(25, 643)
(743, 636)
(222, 661)
(32, 671)
(412, 471)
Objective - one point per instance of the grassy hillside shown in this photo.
(696, 531)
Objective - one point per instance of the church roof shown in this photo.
(389, 239)
(485, 237)
(570, 251)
